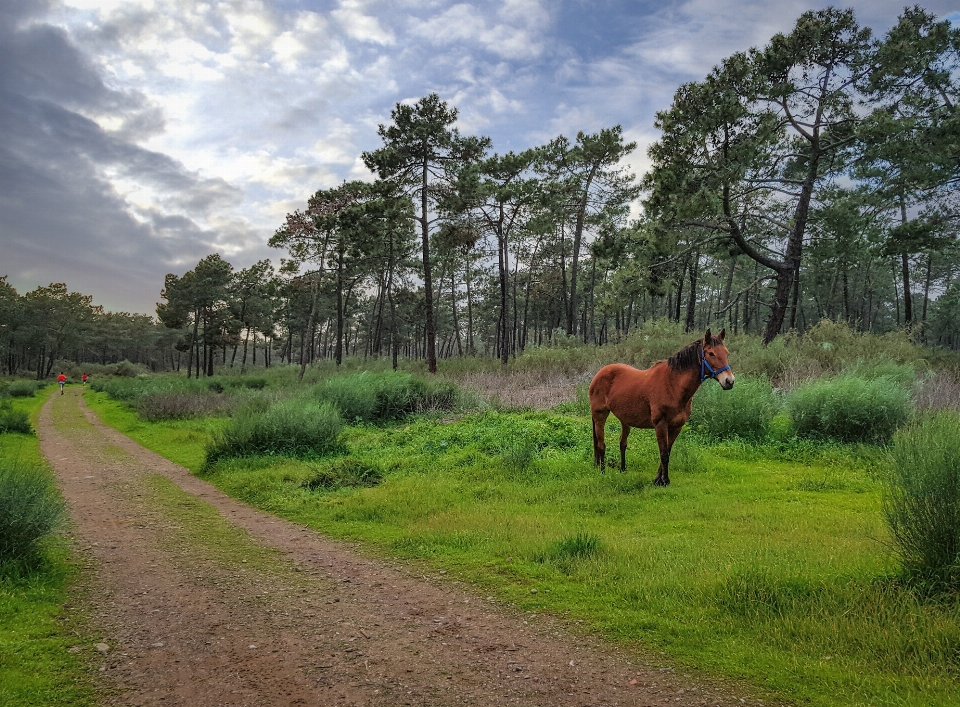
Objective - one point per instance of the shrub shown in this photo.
(566, 552)
(922, 500)
(298, 428)
(345, 473)
(123, 389)
(12, 420)
(23, 388)
(849, 409)
(389, 395)
(180, 405)
(744, 411)
(493, 433)
(253, 382)
(518, 454)
(577, 546)
(686, 457)
(30, 508)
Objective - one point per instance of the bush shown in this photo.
(519, 454)
(390, 395)
(23, 388)
(123, 389)
(686, 456)
(922, 501)
(345, 473)
(570, 550)
(12, 420)
(180, 405)
(849, 409)
(30, 508)
(297, 428)
(745, 411)
(253, 382)
(511, 435)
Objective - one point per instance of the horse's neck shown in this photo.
(689, 384)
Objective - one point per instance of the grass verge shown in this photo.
(36, 665)
(763, 563)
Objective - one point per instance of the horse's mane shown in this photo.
(689, 356)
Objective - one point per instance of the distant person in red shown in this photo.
(84, 377)
(62, 379)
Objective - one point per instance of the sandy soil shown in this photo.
(321, 625)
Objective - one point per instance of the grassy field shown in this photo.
(36, 667)
(764, 562)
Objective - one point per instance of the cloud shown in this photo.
(138, 136)
(514, 32)
(63, 210)
(356, 24)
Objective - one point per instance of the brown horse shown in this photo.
(659, 397)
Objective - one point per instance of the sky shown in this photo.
(137, 137)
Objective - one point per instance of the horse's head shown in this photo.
(715, 360)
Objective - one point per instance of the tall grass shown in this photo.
(23, 388)
(849, 408)
(30, 509)
(387, 395)
(14, 420)
(922, 500)
(289, 428)
(745, 411)
(181, 404)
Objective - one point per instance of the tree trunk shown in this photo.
(690, 321)
(926, 296)
(504, 265)
(453, 306)
(430, 326)
(309, 328)
(471, 349)
(338, 346)
(796, 296)
(243, 363)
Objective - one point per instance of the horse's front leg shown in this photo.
(664, 442)
(624, 433)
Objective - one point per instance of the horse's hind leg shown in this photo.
(624, 433)
(599, 441)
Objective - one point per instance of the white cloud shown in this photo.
(357, 25)
(517, 36)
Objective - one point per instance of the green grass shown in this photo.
(180, 441)
(36, 667)
(767, 563)
(201, 531)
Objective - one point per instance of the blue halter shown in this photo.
(705, 366)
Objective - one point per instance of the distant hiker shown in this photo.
(84, 378)
(62, 379)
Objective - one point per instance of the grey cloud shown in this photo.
(60, 217)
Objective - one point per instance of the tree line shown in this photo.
(41, 329)
(811, 178)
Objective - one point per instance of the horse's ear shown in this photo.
(723, 333)
(707, 338)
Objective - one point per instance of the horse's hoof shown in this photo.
(660, 482)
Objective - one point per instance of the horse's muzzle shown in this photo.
(726, 382)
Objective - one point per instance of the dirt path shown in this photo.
(198, 613)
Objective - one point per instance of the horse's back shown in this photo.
(612, 378)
